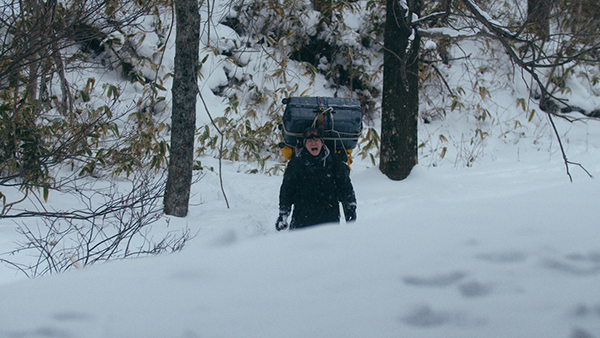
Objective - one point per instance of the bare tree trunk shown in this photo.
(400, 105)
(538, 16)
(183, 119)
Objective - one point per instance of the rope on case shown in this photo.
(321, 112)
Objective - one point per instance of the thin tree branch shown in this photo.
(503, 36)
(220, 147)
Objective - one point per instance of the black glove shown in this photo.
(350, 211)
(282, 220)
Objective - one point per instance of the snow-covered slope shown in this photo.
(504, 249)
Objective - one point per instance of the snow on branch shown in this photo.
(507, 39)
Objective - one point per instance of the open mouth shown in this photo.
(314, 149)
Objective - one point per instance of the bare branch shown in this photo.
(507, 40)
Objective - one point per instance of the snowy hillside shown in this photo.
(487, 237)
(505, 249)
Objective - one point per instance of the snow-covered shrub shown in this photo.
(278, 49)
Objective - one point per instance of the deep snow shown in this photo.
(504, 249)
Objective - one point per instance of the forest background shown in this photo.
(85, 104)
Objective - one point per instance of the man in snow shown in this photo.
(315, 182)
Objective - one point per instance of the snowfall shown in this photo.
(508, 246)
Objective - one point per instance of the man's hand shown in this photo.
(350, 211)
(282, 221)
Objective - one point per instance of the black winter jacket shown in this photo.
(315, 185)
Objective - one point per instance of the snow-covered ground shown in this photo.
(507, 248)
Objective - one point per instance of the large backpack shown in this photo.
(339, 118)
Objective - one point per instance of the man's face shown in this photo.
(314, 145)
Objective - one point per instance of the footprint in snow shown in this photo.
(503, 257)
(576, 264)
(475, 289)
(581, 333)
(469, 289)
(425, 316)
(438, 280)
(583, 311)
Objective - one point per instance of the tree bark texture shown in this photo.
(183, 118)
(400, 104)
(538, 16)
